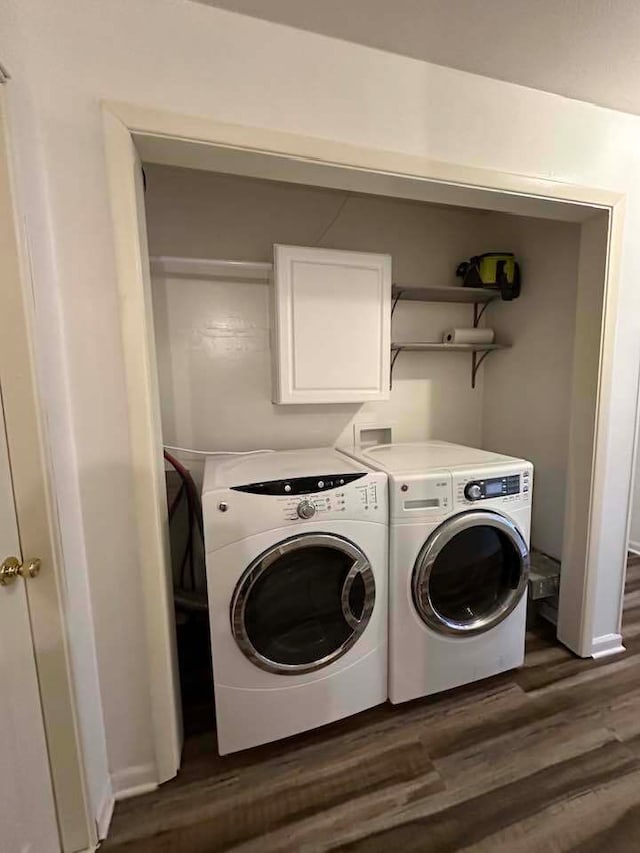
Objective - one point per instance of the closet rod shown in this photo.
(210, 268)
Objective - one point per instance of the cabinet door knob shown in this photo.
(12, 567)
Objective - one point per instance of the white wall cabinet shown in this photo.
(332, 323)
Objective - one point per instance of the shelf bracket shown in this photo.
(475, 365)
(394, 358)
(478, 312)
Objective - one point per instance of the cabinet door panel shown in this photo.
(332, 315)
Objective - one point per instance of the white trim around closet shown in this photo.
(132, 132)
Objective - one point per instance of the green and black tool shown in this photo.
(494, 270)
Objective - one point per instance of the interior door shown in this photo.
(27, 813)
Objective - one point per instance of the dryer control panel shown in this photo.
(501, 487)
(496, 487)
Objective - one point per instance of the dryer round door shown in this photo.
(303, 603)
(470, 574)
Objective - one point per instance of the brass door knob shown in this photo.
(12, 567)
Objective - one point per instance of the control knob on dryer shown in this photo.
(472, 492)
(306, 509)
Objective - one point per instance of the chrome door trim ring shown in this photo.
(431, 549)
(263, 563)
(358, 568)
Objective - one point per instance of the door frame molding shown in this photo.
(189, 141)
(37, 516)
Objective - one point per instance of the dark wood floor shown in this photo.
(543, 759)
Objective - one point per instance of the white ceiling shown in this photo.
(584, 49)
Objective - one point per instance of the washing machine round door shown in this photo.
(303, 603)
(470, 574)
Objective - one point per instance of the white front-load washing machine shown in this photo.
(458, 563)
(297, 551)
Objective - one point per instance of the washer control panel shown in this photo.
(361, 495)
(299, 485)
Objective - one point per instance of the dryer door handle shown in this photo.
(358, 568)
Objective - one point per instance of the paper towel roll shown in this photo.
(468, 336)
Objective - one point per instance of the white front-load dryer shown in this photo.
(297, 551)
(458, 563)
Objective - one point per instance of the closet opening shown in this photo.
(196, 331)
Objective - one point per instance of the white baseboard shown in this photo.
(608, 644)
(134, 781)
(105, 811)
(634, 547)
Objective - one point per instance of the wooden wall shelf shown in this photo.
(468, 295)
(437, 346)
(475, 296)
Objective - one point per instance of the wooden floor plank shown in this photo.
(605, 819)
(521, 751)
(474, 820)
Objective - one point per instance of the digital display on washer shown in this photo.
(493, 488)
